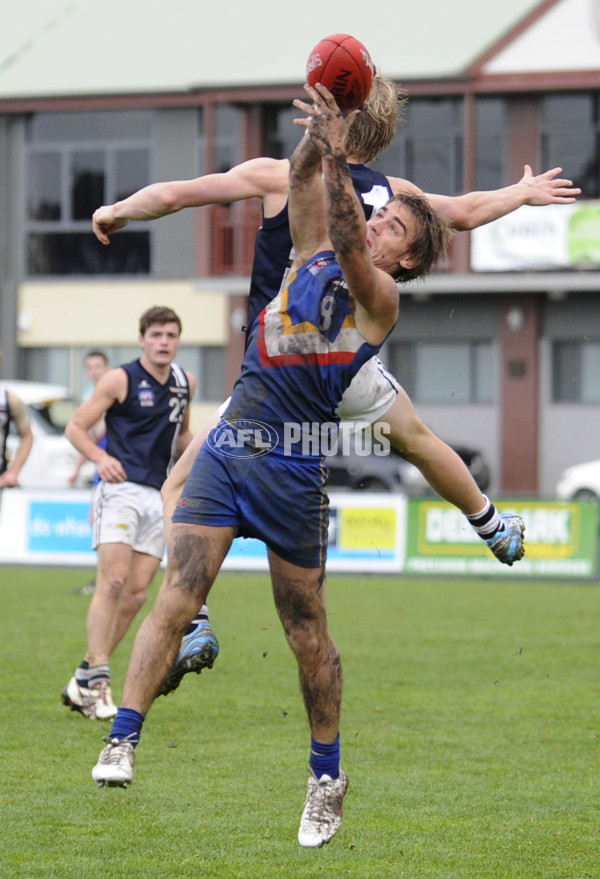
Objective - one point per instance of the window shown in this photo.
(490, 128)
(76, 162)
(207, 364)
(445, 372)
(428, 147)
(65, 366)
(570, 138)
(282, 134)
(201, 143)
(233, 226)
(228, 137)
(575, 370)
(46, 365)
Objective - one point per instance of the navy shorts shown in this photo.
(278, 499)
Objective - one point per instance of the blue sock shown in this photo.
(127, 723)
(325, 759)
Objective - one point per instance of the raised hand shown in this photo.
(324, 121)
(547, 189)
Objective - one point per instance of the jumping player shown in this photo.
(374, 395)
(332, 315)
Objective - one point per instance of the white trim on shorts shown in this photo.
(125, 512)
(223, 407)
(370, 395)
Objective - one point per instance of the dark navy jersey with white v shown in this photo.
(4, 425)
(142, 431)
(273, 248)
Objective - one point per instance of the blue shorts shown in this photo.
(278, 499)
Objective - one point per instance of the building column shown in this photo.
(519, 421)
(236, 341)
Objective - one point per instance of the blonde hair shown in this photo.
(374, 128)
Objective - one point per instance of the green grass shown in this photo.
(470, 733)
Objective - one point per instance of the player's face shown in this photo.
(95, 367)
(390, 234)
(160, 343)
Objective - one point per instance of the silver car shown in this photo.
(581, 482)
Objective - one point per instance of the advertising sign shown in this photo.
(561, 540)
(557, 237)
(46, 527)
(366, 533)
(370, 533)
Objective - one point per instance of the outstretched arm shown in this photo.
(306, 208)
(465, 212)
(262, 178)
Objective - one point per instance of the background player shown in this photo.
(13, 409)
(145, 407)
(96, 365)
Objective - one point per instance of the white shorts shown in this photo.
(125, 512)
(370, 394)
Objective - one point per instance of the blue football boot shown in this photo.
(198, 650)
(507, 545)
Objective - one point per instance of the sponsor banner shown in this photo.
(46, 527)
(371, 533)
(561, 540)
(557, 237)
(366, 532)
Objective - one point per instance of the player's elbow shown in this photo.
(464, 223)
(169, 199)
(460, 218)
(71, 432)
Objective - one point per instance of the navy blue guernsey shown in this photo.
(303, 352)
(142, 431)
(273, 248)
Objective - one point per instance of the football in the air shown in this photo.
(343, 65)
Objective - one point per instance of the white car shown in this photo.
(52, 458)
(580, 482)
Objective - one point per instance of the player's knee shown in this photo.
(110, 585)
(176, 606)
(136, 599)
(310, 644)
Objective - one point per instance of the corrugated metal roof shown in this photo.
(51, 48)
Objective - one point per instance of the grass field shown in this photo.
(470, 734)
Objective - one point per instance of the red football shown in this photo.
(342, 64)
